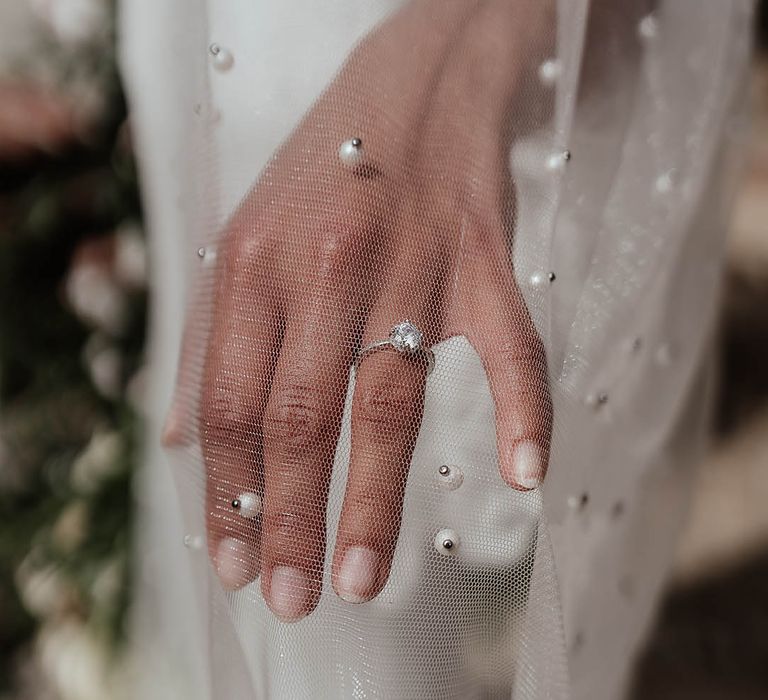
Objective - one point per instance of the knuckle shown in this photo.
(295, 419)
(386, 403)
(373, 516)
(368, 501)
(526, 353)
(294, 529)
(246, 250)
(336, 254)
(335, 250)
(227, 412)
(286, 525)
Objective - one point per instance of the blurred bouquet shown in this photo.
(72, 315)
(74, 21)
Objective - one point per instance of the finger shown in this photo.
(386, 415)
(243, 345)
(516, 365)
(300, 428)
(177, 425)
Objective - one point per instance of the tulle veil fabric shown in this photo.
(626, 139)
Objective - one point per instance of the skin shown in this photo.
(423, 232)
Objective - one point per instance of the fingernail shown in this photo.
(358, 574)
(526, 465)
(232, 562)
(289, 593)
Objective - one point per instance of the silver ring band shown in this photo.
(406, 339)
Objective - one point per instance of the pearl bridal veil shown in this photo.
(434, 289)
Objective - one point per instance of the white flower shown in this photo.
(106, 585)
(130, 256)
(43, 591)
(136, 390)
(71, 526)
(73, 21)
(74, 661)
(99, 460)
(105, 367)
(104, 364)
(95, 297)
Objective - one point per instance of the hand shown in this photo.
(319, 260)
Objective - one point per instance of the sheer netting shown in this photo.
(485, 505)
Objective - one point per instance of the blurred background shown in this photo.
(72, 318)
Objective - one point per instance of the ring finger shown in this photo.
(386, 416)
(300, 430)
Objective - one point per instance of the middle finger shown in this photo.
(300, 430)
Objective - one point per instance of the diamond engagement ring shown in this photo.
(404, 337)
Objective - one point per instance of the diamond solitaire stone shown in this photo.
(405, 337)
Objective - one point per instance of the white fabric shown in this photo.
(646, 102)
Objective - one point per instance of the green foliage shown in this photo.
(67, 449)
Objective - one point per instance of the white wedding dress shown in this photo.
(623, 170)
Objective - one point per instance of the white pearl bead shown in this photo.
(446, 542)
(578, 502)
(193, 541)
(542, 279)
(648, 28)
(538, 279)
(250, 504)
(596, 400)
(223, 60)
(351, 152)
(664, 183)
(557, 161)
(549, 71)
(207, 254)
(450, 477)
